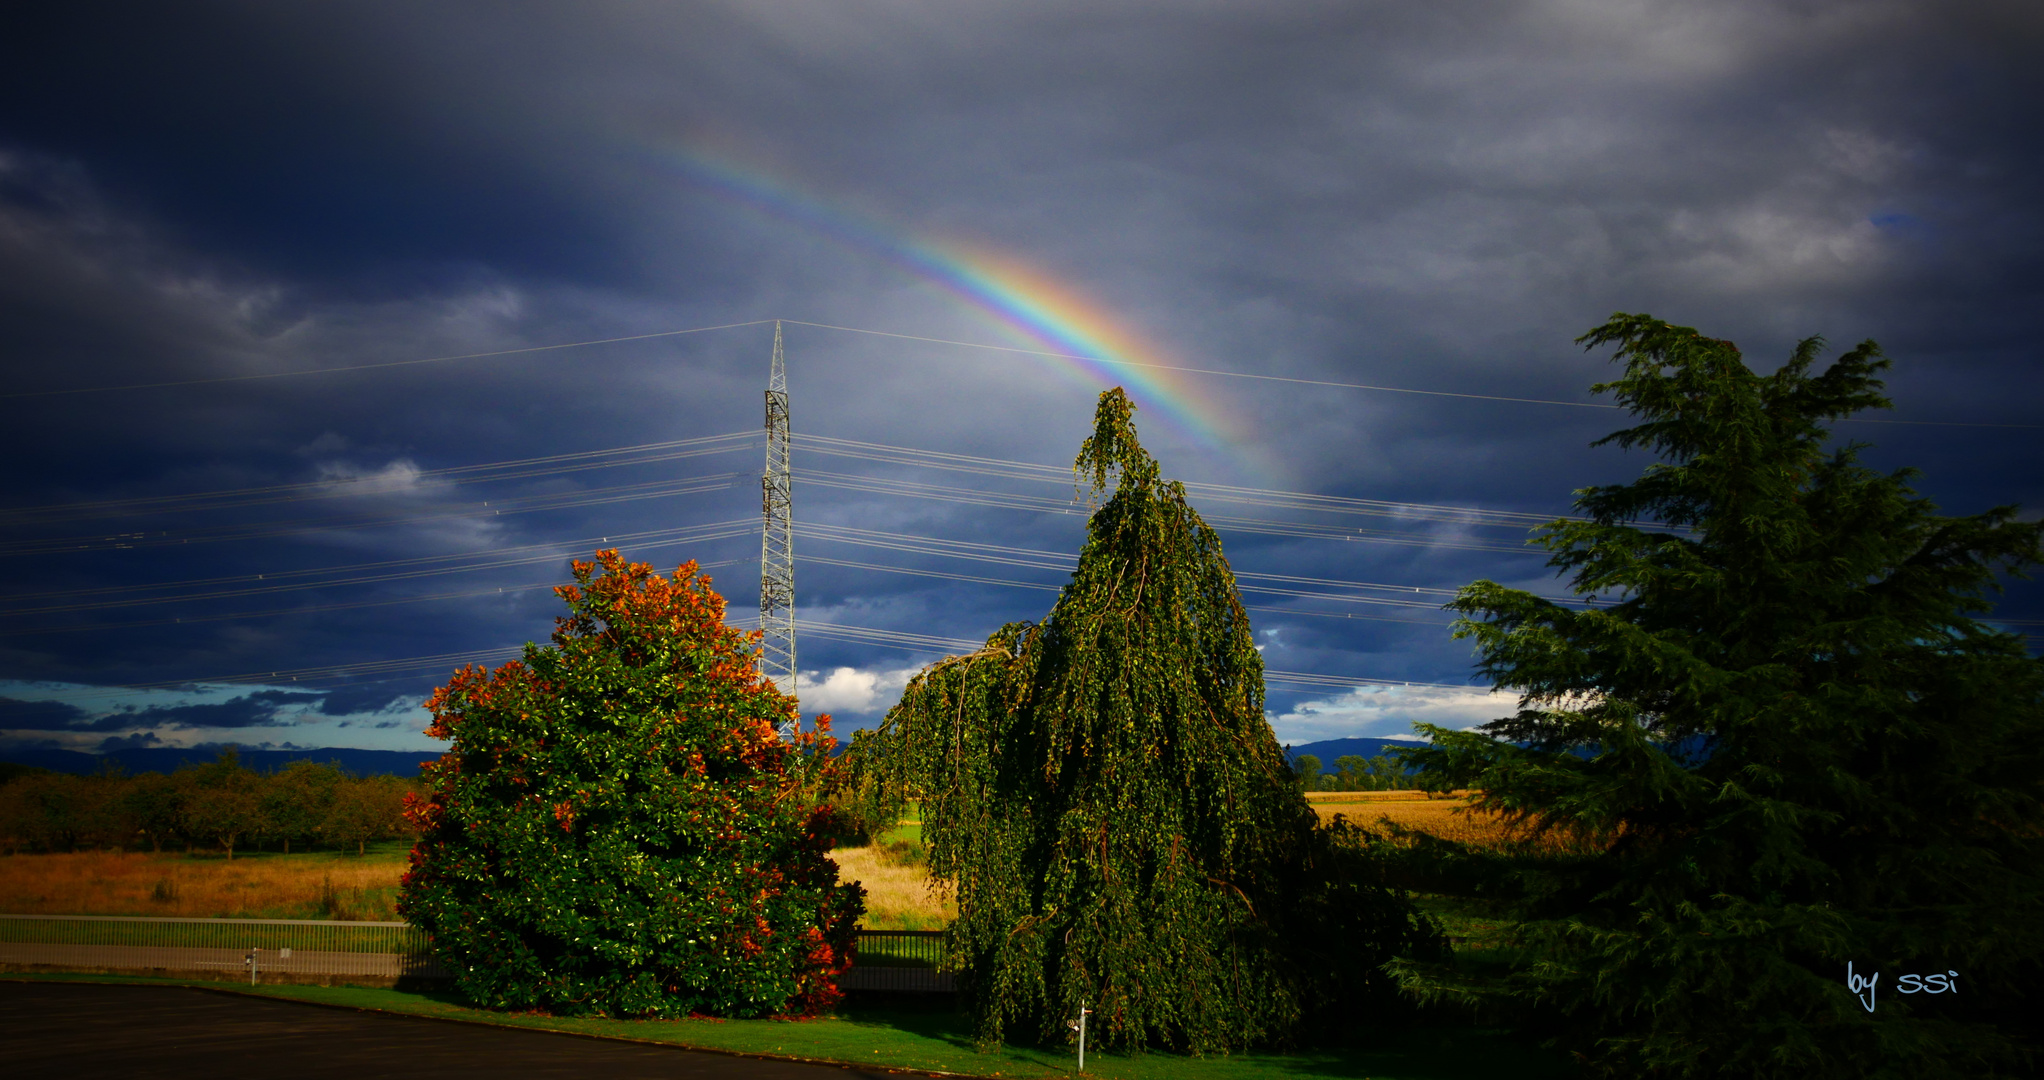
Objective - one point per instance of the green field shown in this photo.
(932, 1039)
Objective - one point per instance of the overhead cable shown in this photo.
(1035, 558)
(1118, 362)
(379, 483)
(371, 572)
(386, 364)
(310, 609)
(1022, 470)
(491, 508)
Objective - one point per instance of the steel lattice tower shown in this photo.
(777, 542)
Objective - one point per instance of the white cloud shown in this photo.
(852, 690)
(1389, 712)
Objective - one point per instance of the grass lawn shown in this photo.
(929, 1039)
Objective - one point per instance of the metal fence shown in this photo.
(900, 948)
(372, 950)
(901, 960)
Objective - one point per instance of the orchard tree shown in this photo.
(1785, 745)
(296, 800)
(1105, 796)
(618, 828)
(154, 802)
(1308, 768)
(222, 800)
(364, 809)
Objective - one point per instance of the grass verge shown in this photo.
(936, 1040)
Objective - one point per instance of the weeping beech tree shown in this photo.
(1119, 824)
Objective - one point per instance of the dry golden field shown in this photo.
(898, 896)
(1447, 816)
(318, 886)
(326, 886)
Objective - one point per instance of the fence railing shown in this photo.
(374, 950)
(899, 960)
(899, 948)
(884, 960)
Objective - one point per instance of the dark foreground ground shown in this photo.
(60, 1030)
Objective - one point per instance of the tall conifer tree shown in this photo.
(1788, 744)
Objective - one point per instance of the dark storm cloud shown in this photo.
(16, 715)
(137, 741)
(250, 710)
(1438, 196)
(353, 700)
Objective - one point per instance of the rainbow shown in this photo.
(1077, 337)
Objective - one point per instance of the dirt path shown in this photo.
(60, 1030)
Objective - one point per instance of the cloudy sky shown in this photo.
(332, 330)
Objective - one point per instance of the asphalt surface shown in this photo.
(71, 1030)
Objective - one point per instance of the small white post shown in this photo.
(252, 965)
(1081, 1026)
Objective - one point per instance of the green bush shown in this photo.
(618, 828)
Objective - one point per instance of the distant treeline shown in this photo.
(1353, 772)
(221, 805)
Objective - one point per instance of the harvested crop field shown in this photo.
(898, 894)
(328, 886)
(322, 885)
(1446, 816)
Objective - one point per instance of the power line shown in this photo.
(1201, 371)
(946, 575)
(1034, 558)
(310, 609)
(333, 671)
(1114, 361)
(1023, 470)
(1436, 623)
(372, 572)
(1037, 504)
(1307, 678)
(386, 364)
(1321, 382)
(597, 496)
(374, 484)
(892, 638)
(913, 642)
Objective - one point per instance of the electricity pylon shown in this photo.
(777, 542)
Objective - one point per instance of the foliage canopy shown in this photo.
(618, 828)
(1786, 743)
(1103, 792)
(221, 803)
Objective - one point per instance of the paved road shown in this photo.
(60, 1030)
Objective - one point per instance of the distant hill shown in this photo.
(1689, 751)
(1329, 749)
(170, 759)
